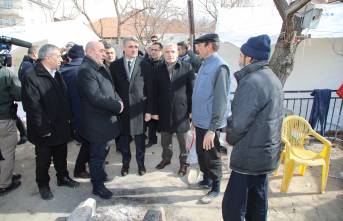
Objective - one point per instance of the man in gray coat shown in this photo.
(254, 130)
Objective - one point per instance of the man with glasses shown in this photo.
(48, 115)
(155, 60)
(129, 81)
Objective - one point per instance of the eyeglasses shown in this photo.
(153, 40)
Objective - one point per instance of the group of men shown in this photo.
(97, 99)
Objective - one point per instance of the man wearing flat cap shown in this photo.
(254, 131)
(210, 109)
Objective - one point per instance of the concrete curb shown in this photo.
(84, 211)
(156, 214)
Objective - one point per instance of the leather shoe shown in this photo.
(162, 164)
(22, 140)
(141, 171)
(150, 144)
(45, 193)
(14, 185)
(103, 192)
(67, 181)
(183, 169)
(82, 174)
(16, 177)
(124, 170)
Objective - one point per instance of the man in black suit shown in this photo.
(48, 115)
(129, 81)
(173, 87)
(99, 107)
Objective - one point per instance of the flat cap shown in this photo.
(211, 37)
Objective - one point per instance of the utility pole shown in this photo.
(191, 23)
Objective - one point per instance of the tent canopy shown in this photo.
(236, 25)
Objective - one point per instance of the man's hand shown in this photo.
(208, 143)
(155, 117)
(147, 117)
(122, 107)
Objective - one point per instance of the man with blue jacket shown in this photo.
(254, 130)
(210, 108)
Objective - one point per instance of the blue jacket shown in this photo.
(210, 100)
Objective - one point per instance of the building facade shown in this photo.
(25, 12)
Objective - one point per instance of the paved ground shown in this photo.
(133, 194)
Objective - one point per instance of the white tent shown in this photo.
(318, 60)
(57, 33)
(236, 25)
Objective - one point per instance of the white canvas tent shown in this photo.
(318, 61)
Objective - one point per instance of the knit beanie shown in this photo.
(257, 47)
(76, 52)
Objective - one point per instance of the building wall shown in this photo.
(24, 12)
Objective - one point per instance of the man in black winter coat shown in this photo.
(100, 106)
(48, 115)
(156, 59)
(173, 83)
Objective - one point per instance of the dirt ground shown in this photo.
(134, 195)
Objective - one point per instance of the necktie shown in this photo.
(129, 68)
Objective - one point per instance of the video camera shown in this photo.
(5, 49)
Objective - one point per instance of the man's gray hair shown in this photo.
(174, 45)
(46, 50)
(33, 49)
(127, 39)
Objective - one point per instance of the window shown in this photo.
(7, 4)
(7, 21)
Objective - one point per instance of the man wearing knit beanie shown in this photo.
(254, 131)
(69, 73)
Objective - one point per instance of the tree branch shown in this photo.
(281, 6)
(295, 6)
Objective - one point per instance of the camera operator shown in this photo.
(10, 91)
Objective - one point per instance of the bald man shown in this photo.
(100, 106)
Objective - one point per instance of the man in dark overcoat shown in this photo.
(129, 82)
(173, 83)
(100, 106)
(48, 115)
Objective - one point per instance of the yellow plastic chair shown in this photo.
(295, 130)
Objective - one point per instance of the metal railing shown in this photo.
(300, 103)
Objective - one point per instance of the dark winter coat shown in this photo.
(69, 73)
(98, 101)
(174, 96)
(133, 94)
(47, 107)
(255, 125)
(27, 64)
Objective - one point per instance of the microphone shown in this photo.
(15, 41)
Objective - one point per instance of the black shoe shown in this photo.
(12, 186)
(67, 181)
(124, 170)
(141, 171)
(108, 179)
(162, 164)
(82, 174)
(22, 140)
(103, 192)
(16, 177)
(45, 193)
(150, 144)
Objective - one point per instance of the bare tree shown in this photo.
(282, 60)
(212, 6)
(121, 9)
(154, 18)
(80, 5)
